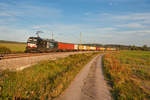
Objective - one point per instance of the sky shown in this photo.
(124, 22)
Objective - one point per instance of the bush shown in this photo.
(4, 50)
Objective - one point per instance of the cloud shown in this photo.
(133, 16)
(5, 14)
(41, 11)
(119, 17)
(3, 4)
(59, 27)
(14, 34)
(28, 13)
(71, 33)
(105, 29)
(132, 25)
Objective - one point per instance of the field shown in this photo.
(45, 80)
(14, 47)
(128, 73)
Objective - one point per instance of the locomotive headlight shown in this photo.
(31, 45)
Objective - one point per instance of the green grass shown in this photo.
(44, 80)
(14, 47)
(128, 72)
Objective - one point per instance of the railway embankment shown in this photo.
(45, 80)
(19, 63)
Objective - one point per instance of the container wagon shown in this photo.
(65, 46)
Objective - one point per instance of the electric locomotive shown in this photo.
(37, 44)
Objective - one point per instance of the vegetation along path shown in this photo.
(89, 84)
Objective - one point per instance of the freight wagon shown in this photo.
(65, 46)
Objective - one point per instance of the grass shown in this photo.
(128, 72)
(45, 80)
(14, 47)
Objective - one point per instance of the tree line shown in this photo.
(123, 47)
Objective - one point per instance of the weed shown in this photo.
(128, 73)
(45, 80)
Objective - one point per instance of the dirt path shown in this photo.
(89, 84)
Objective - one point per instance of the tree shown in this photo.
(145, 48)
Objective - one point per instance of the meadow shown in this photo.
(128, 73)
(45, 80)
(13, 47)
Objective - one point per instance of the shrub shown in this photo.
(4, 50)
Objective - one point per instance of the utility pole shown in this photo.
(80, 38)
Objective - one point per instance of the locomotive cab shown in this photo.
(32, 42)
(37, 44)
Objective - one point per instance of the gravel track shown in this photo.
(89, 84)
(24, 62)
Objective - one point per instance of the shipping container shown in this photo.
(84, 48)
(92, 48)
(65, 46)
(81, 47)
(76, 47)
(108, 49)
(88, 48)
(102, 49)
(113, 49)
(97, 48)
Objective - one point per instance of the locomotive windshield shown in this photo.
(32, 40)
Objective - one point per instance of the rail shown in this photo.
(10, 56)
(2, 55)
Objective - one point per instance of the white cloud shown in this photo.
(132, 25)
(3, 4)
(5, 14)
(13, 34)
(105, 29)
(71, 33)
(119, 18)
(41, 11)
(25, 12)
(132, 17)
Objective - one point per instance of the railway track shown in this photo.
(10, 56)
(20, 55)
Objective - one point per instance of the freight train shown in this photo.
(37, 44)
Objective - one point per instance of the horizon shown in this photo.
(79, 43)
(122, 22)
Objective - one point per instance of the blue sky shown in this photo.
(100, 21)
